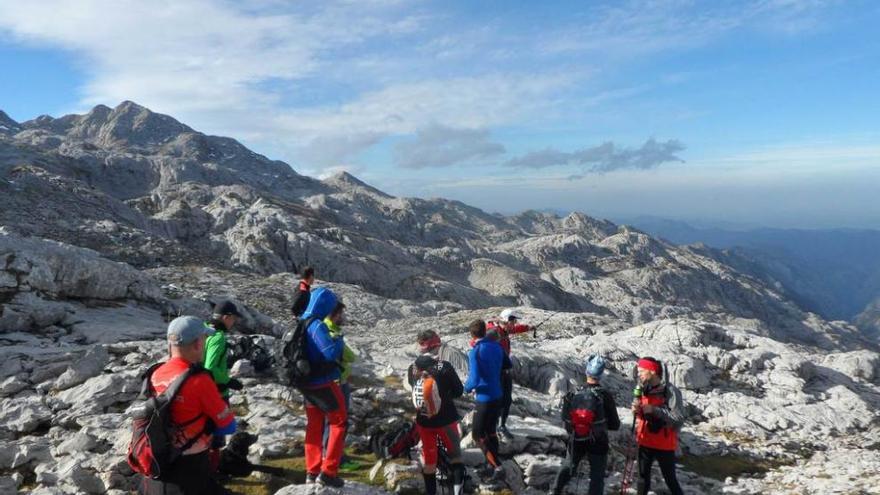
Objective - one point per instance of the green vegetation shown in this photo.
(295, 473)
(393, 381)
(720, 467)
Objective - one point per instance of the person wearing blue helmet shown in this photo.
(588, 415)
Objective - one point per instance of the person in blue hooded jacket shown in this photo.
(323, 396)
(486, 361)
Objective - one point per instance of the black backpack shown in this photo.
(293, 366)
(585, 413)
(394, 440)
(151, 451)
(248, 347)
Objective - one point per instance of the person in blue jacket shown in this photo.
(486, 360)
(323, 397)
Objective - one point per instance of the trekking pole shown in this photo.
(631, 448)
(545, 320)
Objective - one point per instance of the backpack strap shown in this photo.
(173, 389)
(146, 392)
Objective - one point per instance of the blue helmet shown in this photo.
(595, 366)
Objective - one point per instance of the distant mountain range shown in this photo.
(142, 188)
(833, 272)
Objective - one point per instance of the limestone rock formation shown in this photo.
(115, 221)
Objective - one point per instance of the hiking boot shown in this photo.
(325, 479)
(311, 478)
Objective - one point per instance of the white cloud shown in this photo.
(237, 68)
(442, 146)
(605, 157)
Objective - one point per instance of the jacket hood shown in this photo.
(321, 303)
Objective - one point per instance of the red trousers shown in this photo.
(324, 402)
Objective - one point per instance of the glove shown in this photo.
(234, 384)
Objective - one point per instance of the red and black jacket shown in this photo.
(301, 299)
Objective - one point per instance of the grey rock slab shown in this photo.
(126, 323)
(14, 384)
(24, 414)
(88, 366)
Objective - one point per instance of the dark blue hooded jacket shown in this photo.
(486, 360)
(320, 346)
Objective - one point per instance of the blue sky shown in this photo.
(762, 112)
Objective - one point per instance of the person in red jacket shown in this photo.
(197, 411)
(501, 331)
(303, 293)
(659, 415)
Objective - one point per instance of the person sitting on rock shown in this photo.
(486, 361)
(223, 318)
(588, 415)
(197, 409)
(435, 385)
(334, 322)
(303, 293)
(659, 415)
(503, 329)
(323, 396)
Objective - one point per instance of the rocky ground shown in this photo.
(765, 416)
(114, 222)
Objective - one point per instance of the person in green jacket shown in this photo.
(334, 322)
(223, 319)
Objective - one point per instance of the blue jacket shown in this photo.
(486, 360)
(320, 346)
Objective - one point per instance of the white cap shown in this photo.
(509, 313)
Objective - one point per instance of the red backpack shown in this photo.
(151, 451)
(586, 413)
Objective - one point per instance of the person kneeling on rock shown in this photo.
(588, 415)
(435, 385)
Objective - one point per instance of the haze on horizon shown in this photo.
(758, 112)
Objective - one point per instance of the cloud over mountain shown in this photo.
(441, 146)
(605, 157)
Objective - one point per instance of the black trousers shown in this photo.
(190, 475)
(506, 395)
(666, 460)
(576, 453)
(484, 429)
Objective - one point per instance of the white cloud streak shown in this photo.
(605, 157)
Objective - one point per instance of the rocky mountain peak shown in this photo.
(130, 124)
(349, 183)
(7, 124)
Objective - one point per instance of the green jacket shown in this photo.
(348, 355)
(216, 360)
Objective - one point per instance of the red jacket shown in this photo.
(503, 334)
(666, 419)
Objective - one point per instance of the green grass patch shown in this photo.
(295, 473)
(393, 381)
(719, 467)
